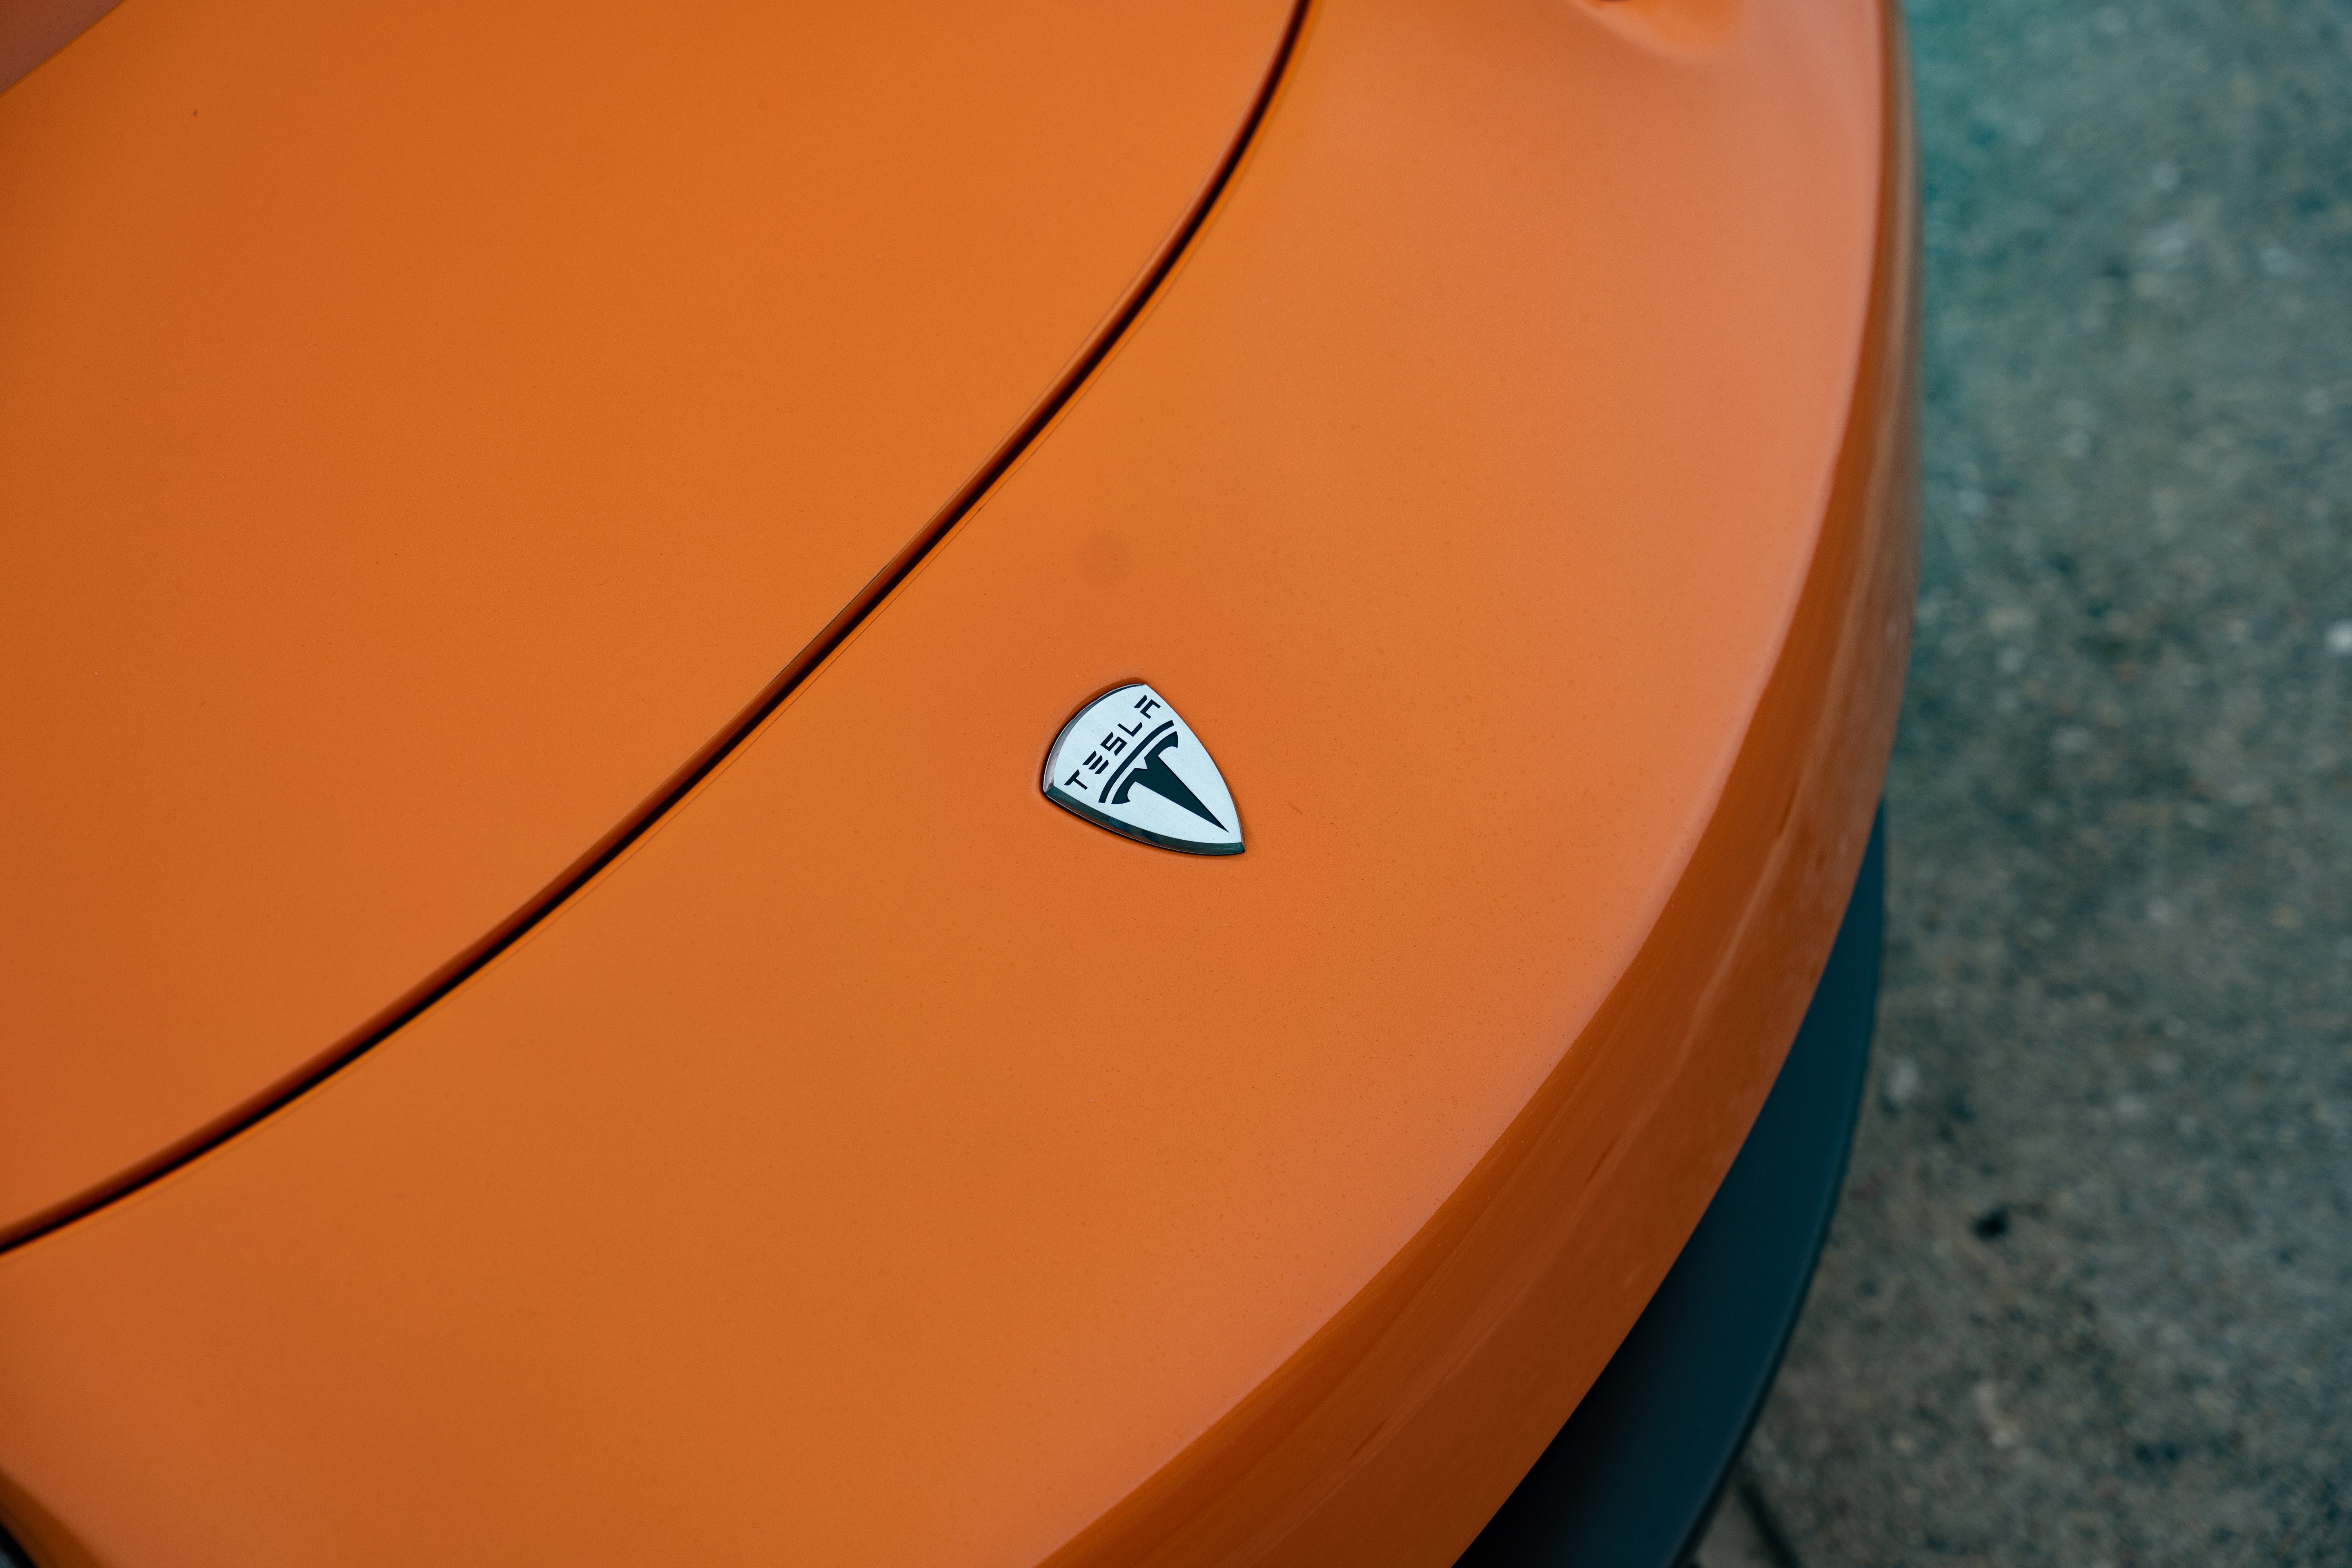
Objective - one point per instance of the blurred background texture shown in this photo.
(2088, 1298)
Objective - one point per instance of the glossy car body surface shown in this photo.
(550, 1018)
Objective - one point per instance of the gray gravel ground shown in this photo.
(2089, 1296)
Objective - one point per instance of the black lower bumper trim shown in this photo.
(1632, 1478)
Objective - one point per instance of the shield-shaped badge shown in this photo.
(1128, 764)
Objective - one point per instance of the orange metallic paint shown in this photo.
(1395, 1433)
(428, 426)
(874, 1165)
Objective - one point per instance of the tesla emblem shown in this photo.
(1128, 764)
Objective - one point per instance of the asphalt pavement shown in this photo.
(2088, 1299)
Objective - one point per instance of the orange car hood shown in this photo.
(871, 1161)
(428, 429)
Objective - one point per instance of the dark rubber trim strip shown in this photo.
(1632, 1478)
(868, 599)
